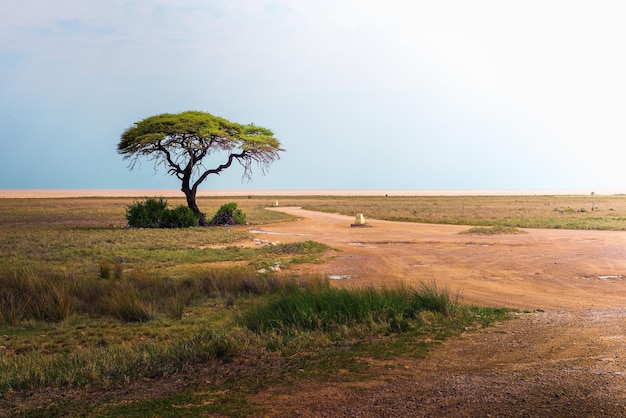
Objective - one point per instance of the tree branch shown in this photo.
(175, 168)
(220, 168)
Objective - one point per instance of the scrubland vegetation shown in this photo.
(87, 303)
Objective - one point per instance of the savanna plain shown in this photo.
(438, 306)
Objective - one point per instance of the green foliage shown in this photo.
(150, 213)
(329, 309)
(181, 217)
(229, 214)
(154, 213)
(195, 130)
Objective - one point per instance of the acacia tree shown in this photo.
(184, 142)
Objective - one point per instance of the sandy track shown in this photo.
(542, 269)
(567, 359)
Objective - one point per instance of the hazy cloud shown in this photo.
(363, 94)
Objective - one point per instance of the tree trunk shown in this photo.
(190, 194)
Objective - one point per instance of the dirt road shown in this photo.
(566, 359)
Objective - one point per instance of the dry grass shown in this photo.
(110, 212)
(601, 212)
(560, 211)
(89, 235)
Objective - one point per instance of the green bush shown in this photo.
(147, 214)
(181, 217)
(229, 214)
(154, 213)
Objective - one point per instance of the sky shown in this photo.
(400, 94)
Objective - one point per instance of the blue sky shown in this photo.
(445, 94)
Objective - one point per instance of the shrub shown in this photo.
(147, 214)
(181, 217)
(229, 214)
(154, 213)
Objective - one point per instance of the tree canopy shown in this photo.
(185, 143)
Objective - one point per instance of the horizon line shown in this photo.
(64, 193)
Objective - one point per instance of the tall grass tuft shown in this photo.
(177, 302)
(25, 294)
(105, 270)
(431, 297)
(12, 309)
(118, 270)
(235, 281)
(124, 303)
(330, 309)
(88, 295)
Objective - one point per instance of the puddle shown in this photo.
(394, 243)
(605, 277)
(382, 243)
(360, 244)
(260, 231)
(340, 276)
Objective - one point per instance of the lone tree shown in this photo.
(182, 142)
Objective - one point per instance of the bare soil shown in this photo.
(563, 356)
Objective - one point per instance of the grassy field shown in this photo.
(89, 306)
(566, 212)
